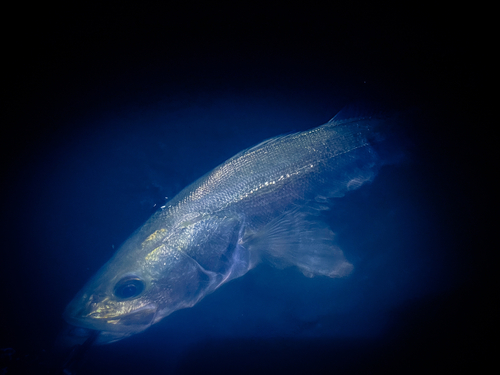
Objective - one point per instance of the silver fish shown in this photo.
(265, 203)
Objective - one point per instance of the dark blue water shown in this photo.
(109, 118)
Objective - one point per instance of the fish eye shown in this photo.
(128, 287)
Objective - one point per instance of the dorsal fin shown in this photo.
(354, 112)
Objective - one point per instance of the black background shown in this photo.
(73, 74)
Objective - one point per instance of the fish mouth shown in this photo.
(133, 322)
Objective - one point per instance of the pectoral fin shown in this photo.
(300, 238)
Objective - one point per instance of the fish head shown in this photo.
(118, 300)
(149, 277)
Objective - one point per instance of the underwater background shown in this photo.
(113, 109)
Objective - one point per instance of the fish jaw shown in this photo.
(109, 316)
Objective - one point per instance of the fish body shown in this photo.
(264, 203)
